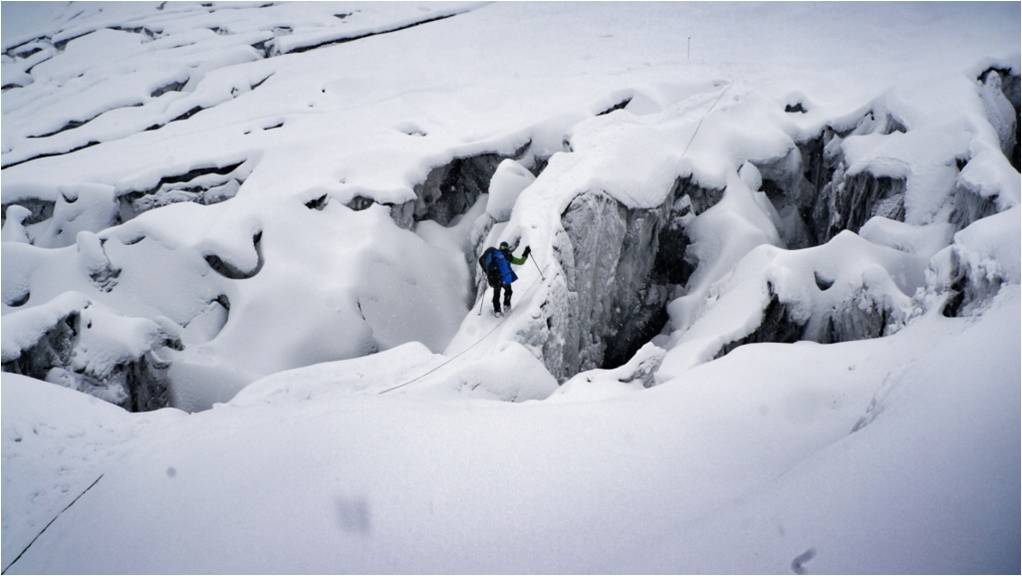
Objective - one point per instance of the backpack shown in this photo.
(488, 261)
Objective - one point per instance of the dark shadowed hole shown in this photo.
(822, 282)
(619, 106)
(317, 203)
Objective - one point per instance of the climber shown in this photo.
(496, 263)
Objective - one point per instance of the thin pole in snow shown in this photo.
(688, 49)
(537, 269)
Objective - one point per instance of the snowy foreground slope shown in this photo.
(752, 461)
(773, 323)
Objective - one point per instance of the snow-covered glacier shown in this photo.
(769, 322)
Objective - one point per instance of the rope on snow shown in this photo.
(392, 388)
(534, 284)
(48, 524)
(469, 347)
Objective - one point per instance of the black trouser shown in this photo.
(496, 295)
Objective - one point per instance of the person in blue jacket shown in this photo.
(496, 263)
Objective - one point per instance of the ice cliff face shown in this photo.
(622, 265)
(210, 178)
(816, 197)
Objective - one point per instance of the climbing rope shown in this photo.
(469, 347)
(535, 284)
(700, 124)
(25, 549)
(392, 388)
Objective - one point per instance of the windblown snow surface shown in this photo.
(772, 325)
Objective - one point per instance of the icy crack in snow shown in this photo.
(815, 195)
(619, 106)
(38, 210)
(203, 185)
(343, 40)
(175, 86)
(88, 144)
(318, 203)
(73, 124)
(229, 270)
(196, 109)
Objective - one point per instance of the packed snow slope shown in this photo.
(893, 455)
(770, 322)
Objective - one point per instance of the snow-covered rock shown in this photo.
(847, 289)
(982, 258)
(81, 345)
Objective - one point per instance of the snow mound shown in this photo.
(846, 289)
(983, 257)
(26, 327)
(592, 385)
(366, 375)
(511, 374)
(507, 183)
(922, 241)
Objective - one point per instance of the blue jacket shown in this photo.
(497, 265)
